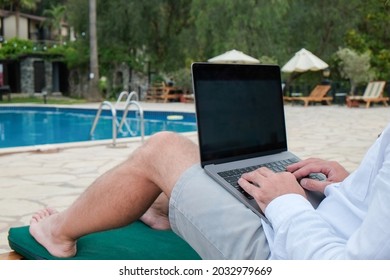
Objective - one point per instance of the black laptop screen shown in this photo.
(239, 111)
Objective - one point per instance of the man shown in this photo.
(353, 221)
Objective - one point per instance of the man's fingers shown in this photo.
(265, 171)
(247, 186)
(313, 185)
(298, 165)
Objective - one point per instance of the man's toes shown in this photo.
(42, 214)
(51, 211)
(34, 220)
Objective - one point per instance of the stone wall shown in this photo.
(125, 79)
(48, 77)
(27, 75)
(122, 78)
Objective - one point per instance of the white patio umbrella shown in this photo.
(304, 61)
(234, 56)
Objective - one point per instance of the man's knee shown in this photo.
(163, 139)
(168, 142)
(164, 136)
(172, 148)
(167, 155)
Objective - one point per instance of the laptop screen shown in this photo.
(239, 110)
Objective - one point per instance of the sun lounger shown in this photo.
(318, 94)
(163, 92)
(133, 242)
(372, 94)
(11, 256)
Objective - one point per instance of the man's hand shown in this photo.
(265, 185)
(333, 171)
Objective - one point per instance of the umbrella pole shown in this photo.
(289, 81)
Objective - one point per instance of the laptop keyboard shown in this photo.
(232, 176)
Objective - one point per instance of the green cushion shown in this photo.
(133, 242)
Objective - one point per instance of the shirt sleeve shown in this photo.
(301, 233)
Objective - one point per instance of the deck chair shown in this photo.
(163, 92)
(155, 91)
(318, 94)
(372, 94)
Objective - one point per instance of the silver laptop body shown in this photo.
(241, 122)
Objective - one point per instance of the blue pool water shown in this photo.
(26, 126)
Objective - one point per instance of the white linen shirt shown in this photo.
(352, 222)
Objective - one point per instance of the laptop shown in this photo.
(241, 124)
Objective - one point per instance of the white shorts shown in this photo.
(212, 221)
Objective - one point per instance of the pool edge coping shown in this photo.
(50, 148)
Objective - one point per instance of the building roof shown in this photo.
(5, 14)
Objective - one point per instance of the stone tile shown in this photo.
(17, 207)
(61, 202)
(7, 181)
(3, 226)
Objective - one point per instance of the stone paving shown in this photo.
(56, 176)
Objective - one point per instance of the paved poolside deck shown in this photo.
(56, 176)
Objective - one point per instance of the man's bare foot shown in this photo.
(43, 229)
(157, 215)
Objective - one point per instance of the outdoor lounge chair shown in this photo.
(318, 94)
(163, 92)
(372, 94)
(136, 241)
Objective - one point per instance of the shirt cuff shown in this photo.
(285, 207)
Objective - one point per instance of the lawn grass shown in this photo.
(41, 100)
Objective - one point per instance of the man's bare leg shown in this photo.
(120, 196)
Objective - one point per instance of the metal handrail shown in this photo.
(129, 97)
(128, 100)
(123, 93)
(116, 126)
(141, 114)
(114, 120)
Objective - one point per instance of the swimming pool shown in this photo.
(29, 125)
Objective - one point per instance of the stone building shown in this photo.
(32, 73)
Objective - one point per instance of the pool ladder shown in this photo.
(116, 126)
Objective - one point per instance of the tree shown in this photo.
(93, 89)
(17, 6)
(254, 27)
(355, 67)
(157, 27)
(82, 54)
(55, 18)
(170, 34)
(372, 33)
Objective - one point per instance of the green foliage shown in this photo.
(170, 34)
(249, 26)
(182, 78)
(355, 40)
(355, 67)
(14, 48)
(75, 54)
(40, 100)
(28, 5)
(54, 18)
(268, 60)
(77, 16)
(382, 64)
